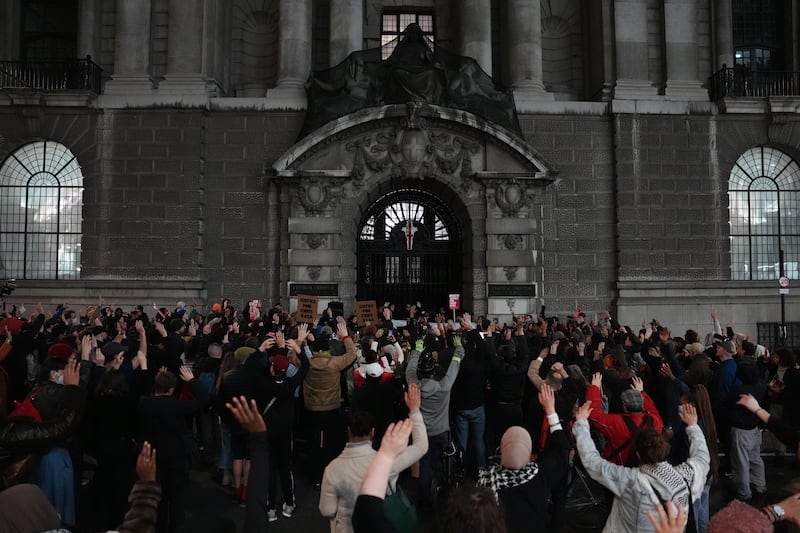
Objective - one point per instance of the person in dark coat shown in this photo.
(163, 417)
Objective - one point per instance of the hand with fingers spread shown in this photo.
(246, 414)
(419, 345)
(749, 402)
(293, 346)
(672, 522)
(86, 347)
(597, 381)
(688, 414)
(268, 343)
(395, 440)
(584, 411)
(547, 399)
(413, 398)
(146, 463)
(637, 384)
(186, 374)
(302, 333)
(341, 328)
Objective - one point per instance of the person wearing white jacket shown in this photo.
(654, 482)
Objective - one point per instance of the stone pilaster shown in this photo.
(294, 56)
(476, 32)
(525, 51)
(87, 29)
(680, 30)
(630, 29)
(185, 49)
(723, 33)
(347, 29)
(131, 50)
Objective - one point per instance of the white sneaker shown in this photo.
(288, 510)
(272, 516)
(227, 478)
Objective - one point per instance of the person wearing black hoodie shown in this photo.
(747, 465)
(469, 395)
(163, 418)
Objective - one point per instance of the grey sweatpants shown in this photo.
(746, 463)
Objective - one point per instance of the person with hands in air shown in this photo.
(247, 416)
(323, 398)
(654, 482)
(274, 393)
(344, 475)
(620, 429)
(531, 492)
(435, 408)
(163, 420)
(368, 513)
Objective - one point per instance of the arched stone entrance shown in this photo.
(486, 176)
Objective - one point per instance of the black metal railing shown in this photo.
(68, 74)
(738, 82)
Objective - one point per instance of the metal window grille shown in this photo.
(764, 197)
(394, 24)
(41, 211)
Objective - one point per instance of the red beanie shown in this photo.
(60, 351)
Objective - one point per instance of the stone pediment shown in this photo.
(414, 140)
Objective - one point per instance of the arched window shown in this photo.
(41, 201)
(764, 196)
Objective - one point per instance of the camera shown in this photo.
(7, 286)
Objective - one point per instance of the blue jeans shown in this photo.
(701, 509)
(469, 429)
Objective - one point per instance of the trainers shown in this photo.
(272, 516)
(288, 510)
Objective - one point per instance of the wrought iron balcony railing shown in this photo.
(70, 74)
(738, 82)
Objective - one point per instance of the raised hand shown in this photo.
(341, 327)
(674, 523)
(637, 384)
(395, 440)
(413, 398)
(749, 402)
(293, 346)
(280, 340)
(246, 414)
(688, 414)
(186, 374)
(86, 347)
(456, 340)
(302, 333)
(420, 345)
(547, 399)
(72, 373)
(584, 411)
(597, 380)
(146, 463)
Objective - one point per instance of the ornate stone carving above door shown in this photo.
(412, 150)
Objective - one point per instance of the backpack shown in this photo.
(26, 408)
(209, 382)
(647, 422)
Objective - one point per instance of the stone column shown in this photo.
(131, 49)
(87, 30)
(476, 32)
(294, 56)
(680, 31)
(723, 28)
(347, 29)
(524, 35)
(184, 49)
(630, 29)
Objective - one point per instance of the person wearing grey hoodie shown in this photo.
(435, 408)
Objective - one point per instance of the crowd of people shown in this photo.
(488, 425)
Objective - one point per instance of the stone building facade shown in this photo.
(614, 193)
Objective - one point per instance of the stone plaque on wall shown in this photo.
(522, 290)
(314, 289)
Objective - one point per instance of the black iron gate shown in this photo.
(409, 249)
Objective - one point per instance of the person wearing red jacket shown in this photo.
(640, 411)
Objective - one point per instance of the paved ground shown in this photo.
(210, 503)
